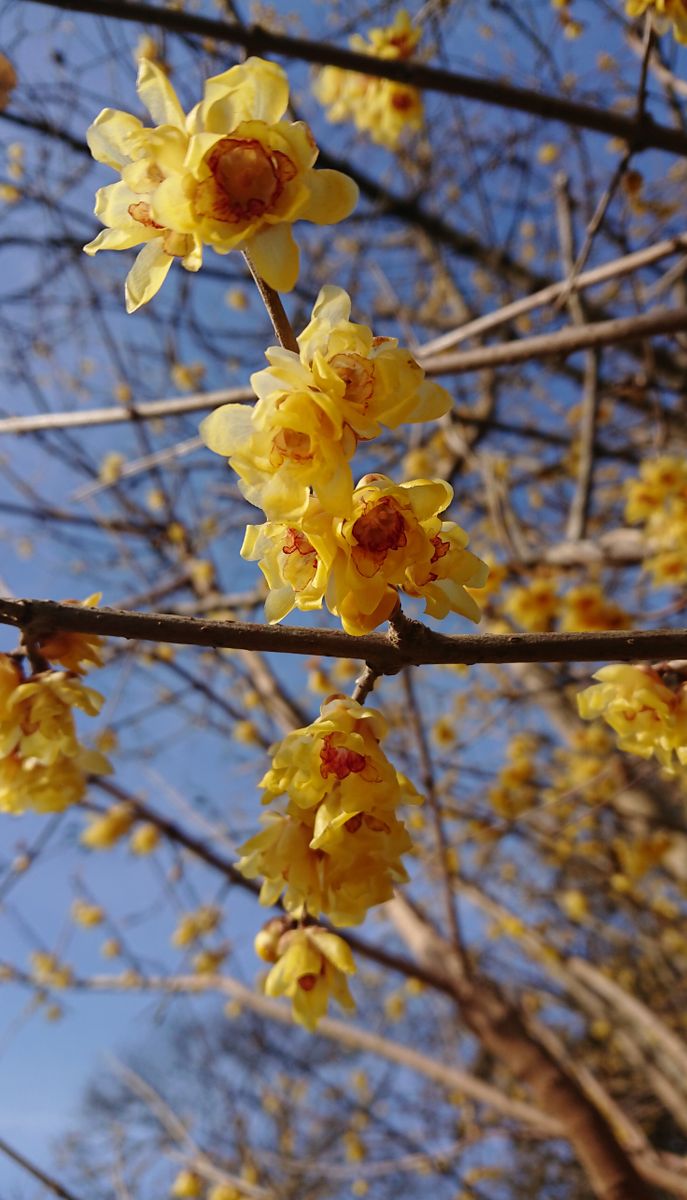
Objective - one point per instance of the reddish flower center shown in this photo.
(247, 180)
(141, 213)
(307, 982)
(381, 528)
(297, 542)
(339, 760)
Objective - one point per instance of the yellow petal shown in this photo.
(333, 947)
(147, 275)
(275, 257)
(227, 428)
(158, 95)
(110, 137)
(255, 90)
(333, 196)
(117, 239)
(171, 207)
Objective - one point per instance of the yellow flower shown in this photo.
(248, 175)
(337, 848)
(144, 158)
(75, 651)
(315, 406)
(145, 838)
(586, 608)
(667, 12)
(312, 966)
(381, 107)
(86, 914)
(535, 605)
(106, 830)
(649, 717)
(660, 480)
(193, 925)
(295, 560)
(395, 539)
(48, 971)
(188, 1184)
(37, 722)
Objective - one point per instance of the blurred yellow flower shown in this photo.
(382, 108)
(649, 717)
(667, 12)
(106, 829)
(77, 652)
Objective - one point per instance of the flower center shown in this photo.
(381, 528)
(291, 444)
(338, 760)
(307, 982)
(297, 542)
(357, 375)
(246, 180)
(141, 213)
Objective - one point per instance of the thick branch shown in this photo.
(563, 342)
(642, 134)
(415, 645)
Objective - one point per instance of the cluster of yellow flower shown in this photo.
(43, 765)
(380, 107)
(334, 847)
(515, 790)
(231, 174)
(667, 13)
(583, 608)
(649, 716)
(356, 546)
(658, 500)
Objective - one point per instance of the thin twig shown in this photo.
(275, 308)
(48, 1181)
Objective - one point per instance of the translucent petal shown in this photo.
(334, 948)
(111, 136)
(118, 239)
(255, 90)
(275, 257)
(333, 196)
(171, 207)
(158, 95)
(227, 428)
(147, 275)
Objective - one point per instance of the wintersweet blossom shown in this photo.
(311, 967)
(395, 538)
(649, 717)
(336, 846)
(381, 107)
(314, 408)
(337, 753)
(43, 765)
(295, 560)
(658, 500)
(667, 12)
(232, 175)
(587, 608)
(77, 652)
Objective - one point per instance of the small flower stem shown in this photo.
(275, 308)
(365, 683)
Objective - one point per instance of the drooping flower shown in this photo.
(667, 13)
(314, 408)
(106, 829)
(311, 967)
(232, 175)
(383, 108)
(77, 652)
(649, 717)
(336, 847)
(43, 765)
